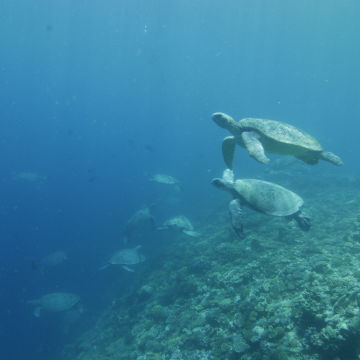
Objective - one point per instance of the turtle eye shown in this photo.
(216, 182)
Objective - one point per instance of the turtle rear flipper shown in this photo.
(254, 146)
(103, 267)
(308, 157)
(228, 149)
(191, 233)
(236, 217)
(37, 311)
(177, 187)
(331, 157)
(127, 268)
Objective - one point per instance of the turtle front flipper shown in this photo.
(331, 157)
(254, 146)
(127, 268)
(37, 311)
(236, 217)
(228, 149)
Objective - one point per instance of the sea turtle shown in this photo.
(262, 196)
(54, 258)
(165, 179)
(125, 257)
(55, 302)
(181, 223)
(260, 135)
(51, 260)
(139, 223)
(29, 176)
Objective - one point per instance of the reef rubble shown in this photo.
(278, 294)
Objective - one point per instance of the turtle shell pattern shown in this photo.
(180, 222)
(269, 198)
(126, 257)
(58, 301)
(281, 132)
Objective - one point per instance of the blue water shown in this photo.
(96, 94)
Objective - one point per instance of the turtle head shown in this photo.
(222, 119)
(226, 182)
(219, 183)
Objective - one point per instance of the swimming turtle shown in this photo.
(54, 258)
(125, 257)
(165, 179)
(139, 223)
(55, 302)
(51, 260)
(262, 196)
(260, 135)
(181, 223)
(30, 176)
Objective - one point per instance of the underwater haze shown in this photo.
(96, 97)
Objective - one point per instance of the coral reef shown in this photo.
(278, 294)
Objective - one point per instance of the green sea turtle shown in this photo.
(54, 258)
(125, 257)
(181, 223)
(51, 260)
(29, 176)
(262, 196)
(261, 135)
(55, 302)
(165, 179)
(140, 223)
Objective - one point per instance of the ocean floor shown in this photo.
(278, 294)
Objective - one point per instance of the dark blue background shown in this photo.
(95, 95)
